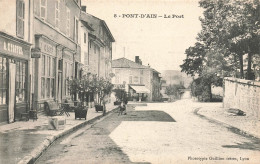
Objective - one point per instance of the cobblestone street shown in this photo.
(156, 133)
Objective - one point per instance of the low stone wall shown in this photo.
(242, 94)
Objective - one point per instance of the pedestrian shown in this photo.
(122, 108)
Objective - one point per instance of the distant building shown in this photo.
(96, 46)
(141, 82)
(100, 39)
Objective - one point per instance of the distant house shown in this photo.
(141, 82)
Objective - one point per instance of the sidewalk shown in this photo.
(247, 124)
(24, 141)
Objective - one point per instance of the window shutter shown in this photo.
(20, 8)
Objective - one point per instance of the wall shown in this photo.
(242, 94)
(8, 18)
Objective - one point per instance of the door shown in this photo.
(11, 101)
(59, 86)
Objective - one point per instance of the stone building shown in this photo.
(56, 49)
(141, 82)
(15, 46)
(100, 39)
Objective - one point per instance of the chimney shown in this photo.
(84, 8)
(137, 59)
(140, 61)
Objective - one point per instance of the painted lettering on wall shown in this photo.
(13, 48)
(46, 48)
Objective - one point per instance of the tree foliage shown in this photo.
(230, 30)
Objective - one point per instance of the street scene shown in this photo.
(173, 133)
(133, 81)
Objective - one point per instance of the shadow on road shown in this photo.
(94, 144)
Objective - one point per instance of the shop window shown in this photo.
(20, 18)
(20, 85)
(48, 76)
(68, 69)
(85, 37)
(42, 87)
(68, 22)
(57, 13)
(3, 80)
(43, 9)
(43, 65)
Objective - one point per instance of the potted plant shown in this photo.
(81, 111)
(80, 87)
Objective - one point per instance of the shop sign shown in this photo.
(13, 48)
(119, 86)
(47, 48)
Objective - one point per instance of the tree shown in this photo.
(233, 27)
(174, 90)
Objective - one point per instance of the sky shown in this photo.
(160, 42)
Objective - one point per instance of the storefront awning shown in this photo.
(140, 89)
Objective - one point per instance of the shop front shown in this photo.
(46, 71)
(14, 77)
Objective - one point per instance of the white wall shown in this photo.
(8, 17)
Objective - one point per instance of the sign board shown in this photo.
(14, 48)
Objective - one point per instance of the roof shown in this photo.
(126, 63)
(93, 22)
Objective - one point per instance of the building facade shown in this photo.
(56, 55)
(44, 43)
(15, 47)
(141, 82)
(100, 39)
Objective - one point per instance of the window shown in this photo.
(136, 79)
(43, 9)
(85, 38)
(76, 30)
(68, 73)
(141, 72)
(20, 18)
(20, 85)
(3, 80)
(48, 76)
(95, 49)
(68, 22)
(130, 79)
(57, 13)
(141, 80)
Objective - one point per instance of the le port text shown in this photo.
(149, 16)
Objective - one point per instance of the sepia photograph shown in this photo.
(129, 81)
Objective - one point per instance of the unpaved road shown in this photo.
(157, 133)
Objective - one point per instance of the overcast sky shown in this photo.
(161, 42)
